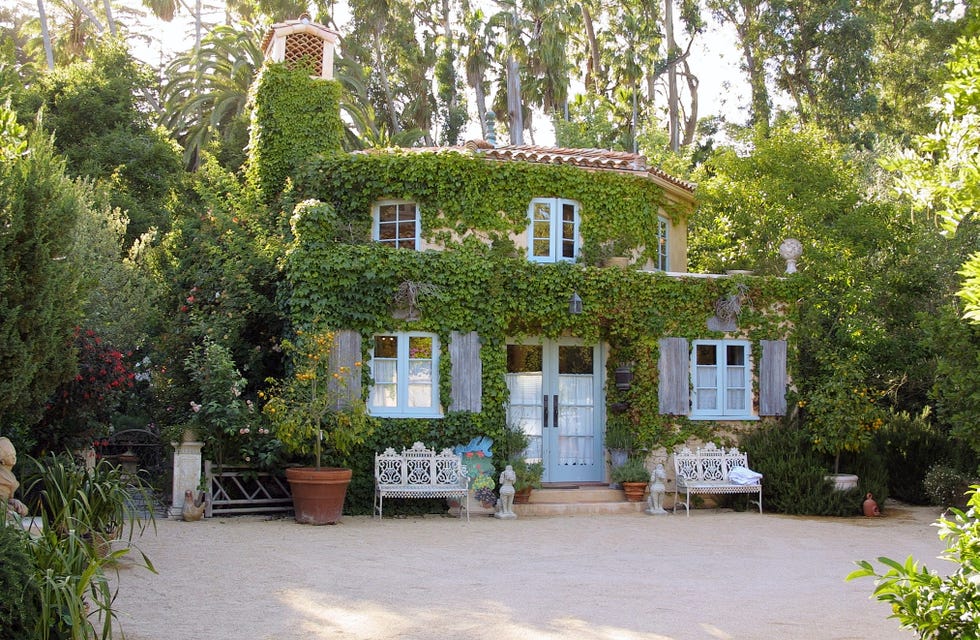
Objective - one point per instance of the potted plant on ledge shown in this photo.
(311, 412)
(634, 477)
(529, 476)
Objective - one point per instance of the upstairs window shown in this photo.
(721, 379)
(663, 243)
(552, 234)
(397, 224)
(405, 369)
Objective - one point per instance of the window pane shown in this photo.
(736, 400)
(384, 371)
(386, 346)
(542, 247)
(388, 213)
(568, 249)
(568, 213)
(524, 357)
(707, 377)
(707, 399)
(419, 347)
(542, 213)
(735, 354)
(420, 395)
(384, 395)
(574, 359)
(707, 354)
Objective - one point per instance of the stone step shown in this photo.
(587, 499)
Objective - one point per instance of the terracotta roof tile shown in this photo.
(586, 158)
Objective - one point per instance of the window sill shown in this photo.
(723, 418)
(375, 413)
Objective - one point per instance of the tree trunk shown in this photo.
(45, 35)
(514, 102)
(594, 69)
(672, 107)
(691, 122)
(385, 87)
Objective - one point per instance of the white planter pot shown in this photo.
(843, 481)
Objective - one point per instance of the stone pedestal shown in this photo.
(187, 473)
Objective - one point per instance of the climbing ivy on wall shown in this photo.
(461, 194)
(294, 117)
(475, 288)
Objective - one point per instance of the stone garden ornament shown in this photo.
(505, 509)
(8, 481)
(658, 488)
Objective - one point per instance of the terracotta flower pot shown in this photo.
(634, 490)
(523, 496)
(318, 494)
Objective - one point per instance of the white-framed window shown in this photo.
(552, 233)
(405, 370)
(663, 244)
(396, 223)
(721, 379)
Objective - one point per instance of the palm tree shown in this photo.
(207, 88)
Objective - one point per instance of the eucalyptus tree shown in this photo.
(752, 21)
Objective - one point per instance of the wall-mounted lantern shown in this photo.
(624, 377)
(575, 304)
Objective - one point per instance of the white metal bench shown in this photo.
(420, 473)
(707, 470)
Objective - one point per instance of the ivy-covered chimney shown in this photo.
(295, 104)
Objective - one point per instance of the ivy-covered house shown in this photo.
(476, 285)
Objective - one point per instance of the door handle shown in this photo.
(545, 411)
(556, 410)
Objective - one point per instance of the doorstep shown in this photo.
(578, 499)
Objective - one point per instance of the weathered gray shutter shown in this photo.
(345, 355)
(772, 378)
(675, 383)
(467, 372)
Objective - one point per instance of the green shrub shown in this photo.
(935, 605)
(911, 445)
(945, 486)
(633, 471)
(18, 597)
(794, 474)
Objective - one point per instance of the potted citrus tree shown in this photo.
(311, 413)
(840, 414)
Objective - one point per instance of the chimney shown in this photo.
(302, 41)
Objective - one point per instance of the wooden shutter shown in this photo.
(772, 378)
(675, 382)
(344, 356)
(467, 372)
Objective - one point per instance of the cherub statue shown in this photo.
(505, 509)
(8, 481)
(658, 487)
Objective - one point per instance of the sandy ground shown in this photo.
(717, 574)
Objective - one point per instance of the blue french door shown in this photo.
(556, 397)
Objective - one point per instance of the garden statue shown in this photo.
(655, 503)
(505, 510)
(8, 482)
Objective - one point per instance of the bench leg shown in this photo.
(686, 503)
